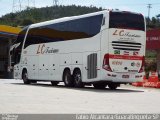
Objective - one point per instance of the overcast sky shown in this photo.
(6, 6)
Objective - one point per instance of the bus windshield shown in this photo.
(126, 20)
(17, 46)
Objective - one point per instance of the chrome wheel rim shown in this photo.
(77, 78)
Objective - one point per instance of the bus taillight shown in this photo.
(142, 66)
(106, 65)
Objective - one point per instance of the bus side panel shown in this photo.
(43, 67)
(31, 66)
(54, 69)
(65, 61)
(104, 50)
(31, 60)
(77, 62)
(91, 59)
(91, 66)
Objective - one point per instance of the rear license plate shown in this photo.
(125, 76)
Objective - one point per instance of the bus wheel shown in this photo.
(113, 86)
(77, 79)
(54, 83)
(25, 77)
(67, 78)
(99, 85)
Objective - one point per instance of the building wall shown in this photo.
(7, 35)
(153, 43)
(3, 56)
(153, 39)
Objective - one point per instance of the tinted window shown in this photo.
(69, 30)
(126, 20)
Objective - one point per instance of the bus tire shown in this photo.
(99, 85)
(54, 83)
(33, 81)
(113, 86)
(25, 77)
(77, 77)
(67, 78)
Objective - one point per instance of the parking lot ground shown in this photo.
(15, 97)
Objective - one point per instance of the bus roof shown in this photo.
(76, 17)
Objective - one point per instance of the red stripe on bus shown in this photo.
(125, 57)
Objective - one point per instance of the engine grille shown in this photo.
(92, 66)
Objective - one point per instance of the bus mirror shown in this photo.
(11, 52)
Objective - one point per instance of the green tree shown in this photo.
(26, 22)
(34, 15)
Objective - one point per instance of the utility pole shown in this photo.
(55, 2)
(149, 7)
(16, 6)
(19, 5)
(28, 3)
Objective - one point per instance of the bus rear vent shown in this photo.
(131, 46)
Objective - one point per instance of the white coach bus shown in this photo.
(105, 48)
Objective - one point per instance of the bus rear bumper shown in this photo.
(123, 77)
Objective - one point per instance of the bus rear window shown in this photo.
(126, 20)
